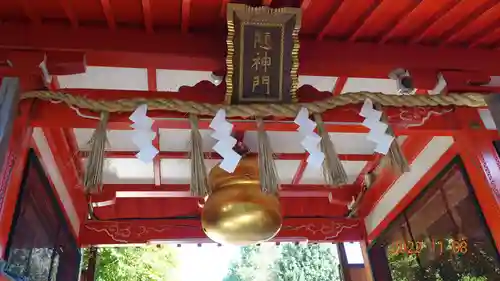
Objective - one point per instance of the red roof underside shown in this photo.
(468, 23)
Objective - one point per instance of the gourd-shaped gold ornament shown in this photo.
(237, 212)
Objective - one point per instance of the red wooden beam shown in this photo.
(411, 148)
(424, 182)
(343, 119)
(206, 51)
(300, 170)
(339, 85)
(152, 86)
(11, 172)
(482, 163)
(179, 231)
(341, 195)
(213, 155)
(69, 165)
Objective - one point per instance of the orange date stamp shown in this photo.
(436, 246)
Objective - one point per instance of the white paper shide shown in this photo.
(224, 147)
(143, 135)
(378, 130)
(311, 140)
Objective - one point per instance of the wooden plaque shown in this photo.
(262, 54)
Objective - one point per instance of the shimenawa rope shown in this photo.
(261, 110)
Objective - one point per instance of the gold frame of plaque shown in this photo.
(268, 26)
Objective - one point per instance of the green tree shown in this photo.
(477, 263)
(289, 262)
(145, 263)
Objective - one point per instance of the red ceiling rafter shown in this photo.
(186, 15)
(448, 30)
(411, 148)
(148, 17)
(206, 52)
(364, 19)
(213, 155)
(384, 17)
(70, 12)
(483, 26)
(108, 13)
(328, 25)
(408, 12)
(30, 12)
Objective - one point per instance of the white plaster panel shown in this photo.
(286, 170)
(171, 80)
(321, 83)
(313, 175)
(386, 86)
(117, 140)
(179, 140)
(127, 171)
(50, 167)
(424, 161)
(110, 78)
(487, 118)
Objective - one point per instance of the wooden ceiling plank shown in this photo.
(108, 13)
(70, 12)
(148, 17)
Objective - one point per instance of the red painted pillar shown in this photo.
(11, 172)
(482, 164)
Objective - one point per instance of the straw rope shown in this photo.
(262, 110)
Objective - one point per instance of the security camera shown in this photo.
(404, 81)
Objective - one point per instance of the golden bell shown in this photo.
(237, 212)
